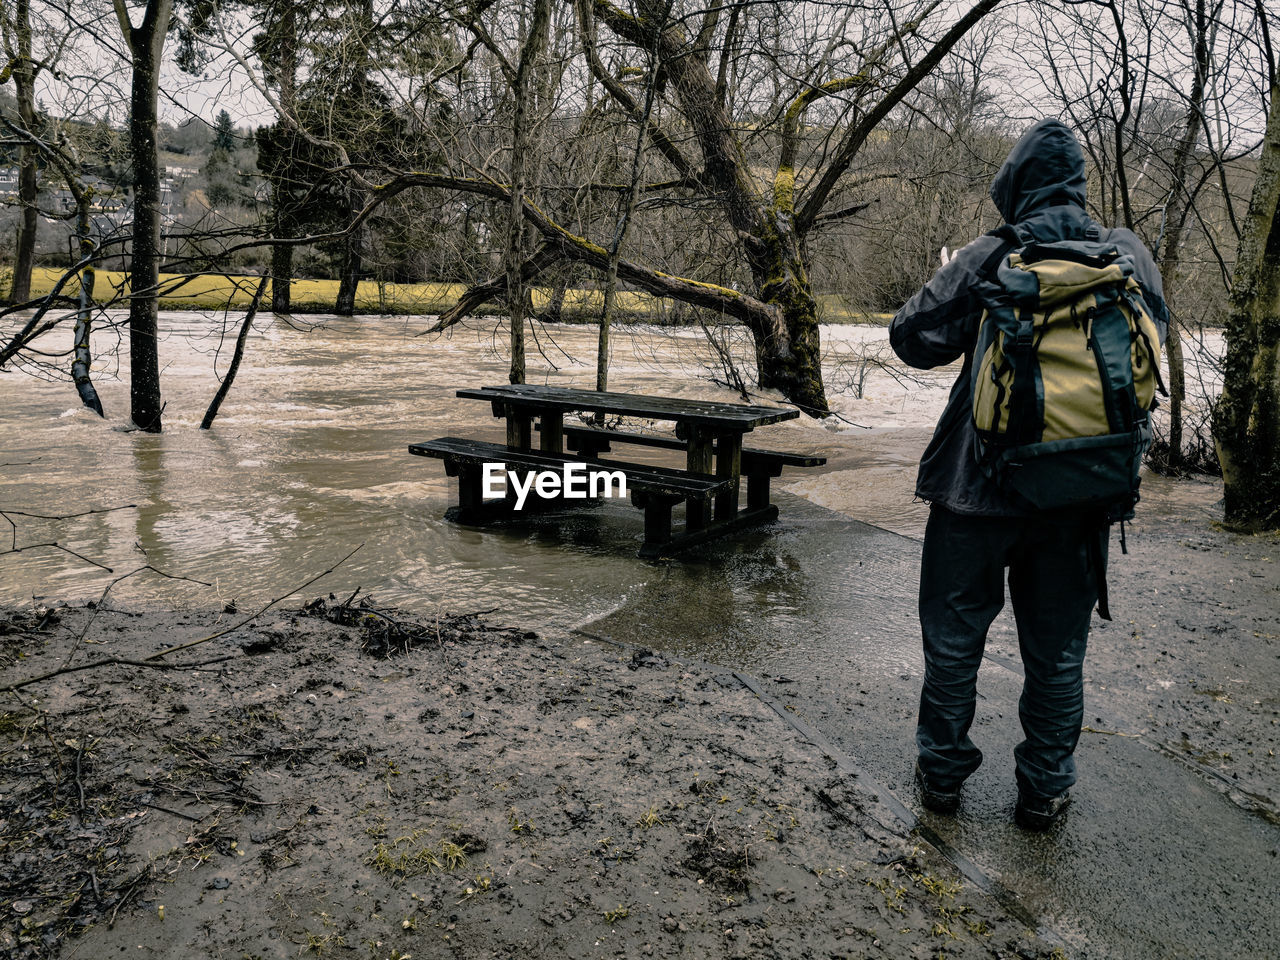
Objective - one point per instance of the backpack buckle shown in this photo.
(1026, 328)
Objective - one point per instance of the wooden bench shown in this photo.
(758, 466)
(655, 490)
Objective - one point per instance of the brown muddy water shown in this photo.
(308, 460)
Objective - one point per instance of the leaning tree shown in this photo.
(766, 107)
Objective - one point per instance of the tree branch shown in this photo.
(857, 134)
(665, 145)
(481, 293)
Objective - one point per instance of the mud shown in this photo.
(478, 793)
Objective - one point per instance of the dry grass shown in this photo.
(215, 292)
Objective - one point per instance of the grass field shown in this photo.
(213, 292)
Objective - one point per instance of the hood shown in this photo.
(1046, 164)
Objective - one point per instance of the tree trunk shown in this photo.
(146, 43)
(1175, 219)
(530, 50)
(624, 217)
(554, 312)
(1177, 384)
(281, 270)
(791, 363)
(786, 342)
(225, 387)
(771, 225)
(24, 81)
(1246, 422)
(352, 259)
(284, 222)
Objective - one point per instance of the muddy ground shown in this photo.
(478, 792)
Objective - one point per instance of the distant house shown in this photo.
(8, 181)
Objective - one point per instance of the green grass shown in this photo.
(207, 292)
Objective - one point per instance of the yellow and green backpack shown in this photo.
(1065, 372)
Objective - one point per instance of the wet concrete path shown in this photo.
(1153, 860)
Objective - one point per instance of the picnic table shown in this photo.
(710, 434)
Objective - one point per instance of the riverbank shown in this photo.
(483, 793)
(317, 297)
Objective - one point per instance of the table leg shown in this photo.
(728, 467)
(657, 519)
(519, 429)
(470, 496)
(758, 490)
(552, 431)
(698, 460)
(472, 507)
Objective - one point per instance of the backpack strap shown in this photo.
(1098, 560)
(1010, 241)
(1093, 231)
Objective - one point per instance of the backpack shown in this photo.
(1064, 374)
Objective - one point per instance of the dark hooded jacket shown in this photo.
(1040, 189)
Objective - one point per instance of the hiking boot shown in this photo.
(934, 797)
(1040, 813)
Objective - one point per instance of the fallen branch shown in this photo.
(229, 379)
(150, 663)
(111, 662)
(57, 546)
(255, 616)
(102, 598)
(9, 514)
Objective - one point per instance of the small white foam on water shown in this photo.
(393, 491)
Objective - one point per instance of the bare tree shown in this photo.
(522, 82)
(1198, 21)
(146, 45)
(15, 20)
(1149, 87)
(852, 86)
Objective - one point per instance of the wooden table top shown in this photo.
(707, 413)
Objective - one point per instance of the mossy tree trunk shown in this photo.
(771, 221)
(786, 338)
(1246, 422)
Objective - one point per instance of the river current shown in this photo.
(307, 461)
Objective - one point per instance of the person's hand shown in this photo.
(946, 256)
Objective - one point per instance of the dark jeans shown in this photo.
(1053, 585)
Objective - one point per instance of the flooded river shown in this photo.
(308, 460)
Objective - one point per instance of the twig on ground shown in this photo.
(103, 597)
(254, 616)
(149, 662)
(129, 889)
(111, 662)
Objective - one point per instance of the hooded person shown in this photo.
(975, 531)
